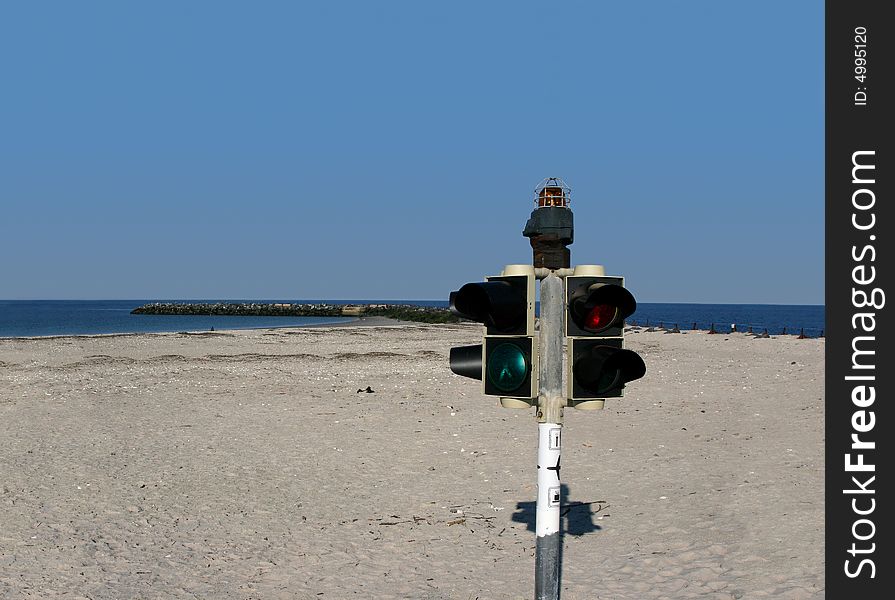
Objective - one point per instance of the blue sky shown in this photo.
(389, 150)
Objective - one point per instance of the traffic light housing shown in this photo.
(507, 359)
(598, 364)
(503, 303)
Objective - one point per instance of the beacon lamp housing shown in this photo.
(550, 228)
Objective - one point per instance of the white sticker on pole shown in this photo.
(553, 496)
(555, 438)
(549, 488)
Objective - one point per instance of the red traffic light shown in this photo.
(600, 317)
(597, 306)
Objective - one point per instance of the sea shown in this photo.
(33, 318)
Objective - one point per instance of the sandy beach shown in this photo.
(246, 465)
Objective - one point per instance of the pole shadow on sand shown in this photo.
(576, 518)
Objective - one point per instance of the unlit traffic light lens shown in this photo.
(507, 367)
(600, 317)
(602, 369)
(607, 381)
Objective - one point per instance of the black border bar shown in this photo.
(860, 366)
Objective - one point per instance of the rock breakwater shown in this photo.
(404, 312)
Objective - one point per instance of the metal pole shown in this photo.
(548, 546)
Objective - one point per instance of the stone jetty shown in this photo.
(403, 312)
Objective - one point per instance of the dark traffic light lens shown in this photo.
(600, 317)
(595, 375)
(507, 367)
(608, 380)
(602, 369)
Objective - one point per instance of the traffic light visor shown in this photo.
(467, 361)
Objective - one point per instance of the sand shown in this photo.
(246, 465)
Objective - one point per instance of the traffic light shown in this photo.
(598, 364)
(507, 359)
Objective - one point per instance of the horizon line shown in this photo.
(383, 300)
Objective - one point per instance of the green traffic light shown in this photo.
(507, 367)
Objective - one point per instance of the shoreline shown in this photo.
(355, 322)
(371, 321)
(47, 319)
(196, 332)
